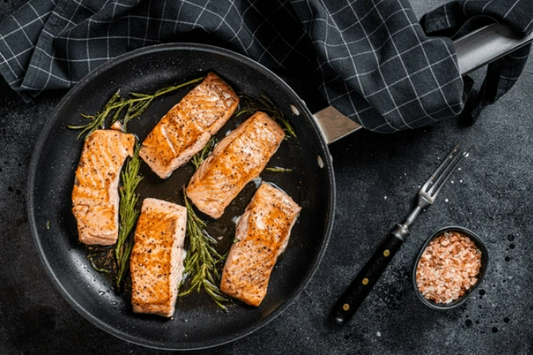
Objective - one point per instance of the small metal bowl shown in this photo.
(484, 264)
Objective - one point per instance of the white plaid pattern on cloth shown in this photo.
(460, 17)
(369, 59)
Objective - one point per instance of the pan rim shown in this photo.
(37, 153)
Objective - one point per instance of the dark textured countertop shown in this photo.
(377, 178)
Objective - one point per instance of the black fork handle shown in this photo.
(354, 296)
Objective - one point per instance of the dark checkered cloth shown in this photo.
(372, 60)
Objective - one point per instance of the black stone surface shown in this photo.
(377, 178)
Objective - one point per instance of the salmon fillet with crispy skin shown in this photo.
(189, 125)
(261, 236)
(156, 263)
(95, 198)
(236, 160)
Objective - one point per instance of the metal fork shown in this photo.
(356, 293)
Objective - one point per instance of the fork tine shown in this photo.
(445, 176)
(441, 167)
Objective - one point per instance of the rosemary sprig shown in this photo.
(91, 257)
(264, 103)
(128, 214)
(134, 107)
(202, 259)
(199, 157)
(277, 169)
(97, 120)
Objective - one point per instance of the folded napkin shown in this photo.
(457, 18)
(372, 60)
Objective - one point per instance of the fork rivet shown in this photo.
(365, 281)
(386, 253)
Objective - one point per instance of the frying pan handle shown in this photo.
(487, 44)
(474, 50)
(334, 125)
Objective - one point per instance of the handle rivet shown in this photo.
(346, 306)
(365, 281)
(386, 253)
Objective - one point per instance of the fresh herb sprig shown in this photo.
(91, 258)
(202, 259)
(101, 259)
(277, 169)
(128, 214)
(98, 119)
(264, 103)
(199, 157)
(133, 107)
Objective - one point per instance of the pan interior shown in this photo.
(197, 322)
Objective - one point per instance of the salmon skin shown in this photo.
(261, 236)
(95, 198)
(236, 160)
(189, 125)
(156, 263)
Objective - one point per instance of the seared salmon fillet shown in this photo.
(156, 263)
(262, 234)
(95, 197)
(189, 125)
(236, 160)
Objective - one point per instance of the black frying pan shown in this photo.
(197, 323)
